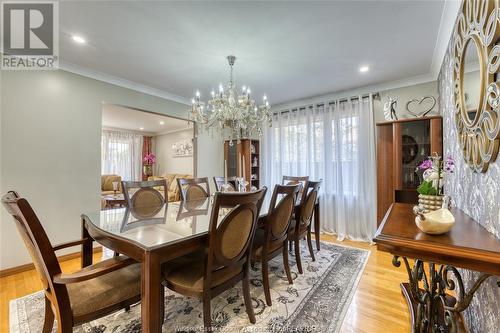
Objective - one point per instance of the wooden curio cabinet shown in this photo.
(243, 160)
(401, 146)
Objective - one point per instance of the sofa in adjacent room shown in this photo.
(173, 190)
(107, 184)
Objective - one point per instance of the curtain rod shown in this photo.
(340, 100)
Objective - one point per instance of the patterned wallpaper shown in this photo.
(478, 195)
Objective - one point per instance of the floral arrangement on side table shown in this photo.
(149, 160)
(431, 189)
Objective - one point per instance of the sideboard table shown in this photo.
(467, 245)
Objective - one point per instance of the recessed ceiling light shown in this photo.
(78, 39)
(364, 69)
(141, 128)
(162, 122)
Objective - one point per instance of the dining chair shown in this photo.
(294, 180)
(301, 223)
(272, 239)
(88, 294)
(132, 220)
(219, 181)
(144, 197)
(193, 189)
(144, 200)
(226, 258)
(193, 208)
(310, 186)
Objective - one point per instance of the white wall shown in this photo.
(50, 149)
(165, 161)
(404, 95)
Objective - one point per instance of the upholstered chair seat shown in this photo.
(187, 273)
(104, 291)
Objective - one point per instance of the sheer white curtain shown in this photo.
(334, 142)
(121, 154)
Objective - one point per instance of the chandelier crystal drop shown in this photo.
(236, 116)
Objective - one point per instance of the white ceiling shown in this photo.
(288, 50)
(119, 117)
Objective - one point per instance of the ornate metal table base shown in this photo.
(432, 309)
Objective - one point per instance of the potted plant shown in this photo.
(430, 190)
(149, 160)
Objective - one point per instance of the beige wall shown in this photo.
(165, 161)
(50, 138)
(404, 95)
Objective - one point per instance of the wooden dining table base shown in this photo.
(151, 292)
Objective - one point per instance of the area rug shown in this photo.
(317, 301)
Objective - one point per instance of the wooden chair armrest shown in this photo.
(90, 273)
(69, 244)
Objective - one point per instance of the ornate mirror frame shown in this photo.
(478, 22)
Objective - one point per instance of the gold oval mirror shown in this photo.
(476, 86)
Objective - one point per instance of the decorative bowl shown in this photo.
(436, 222)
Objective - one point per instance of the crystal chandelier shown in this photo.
(235, 116)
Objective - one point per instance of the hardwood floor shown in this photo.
(377, 306)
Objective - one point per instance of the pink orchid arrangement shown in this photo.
(150, 159)
(434, 170)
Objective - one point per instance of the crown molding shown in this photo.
(446, 26)
(118, 81)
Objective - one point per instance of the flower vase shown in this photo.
(148, 170)
(430, 202)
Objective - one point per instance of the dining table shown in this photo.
(153, 237)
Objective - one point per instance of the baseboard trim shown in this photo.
(29, 267)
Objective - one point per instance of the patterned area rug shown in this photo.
(316, 302)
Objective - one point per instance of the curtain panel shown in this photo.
(147, 148)
(121, 154)
(334, 142)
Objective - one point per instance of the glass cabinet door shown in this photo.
(416, 147)
(232, 160)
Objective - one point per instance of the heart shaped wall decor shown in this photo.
(421, 107)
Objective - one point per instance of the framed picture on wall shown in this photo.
(182, 148)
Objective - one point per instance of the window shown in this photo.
(121, 154)
(335, 144)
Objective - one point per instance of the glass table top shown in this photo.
(151, 227)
